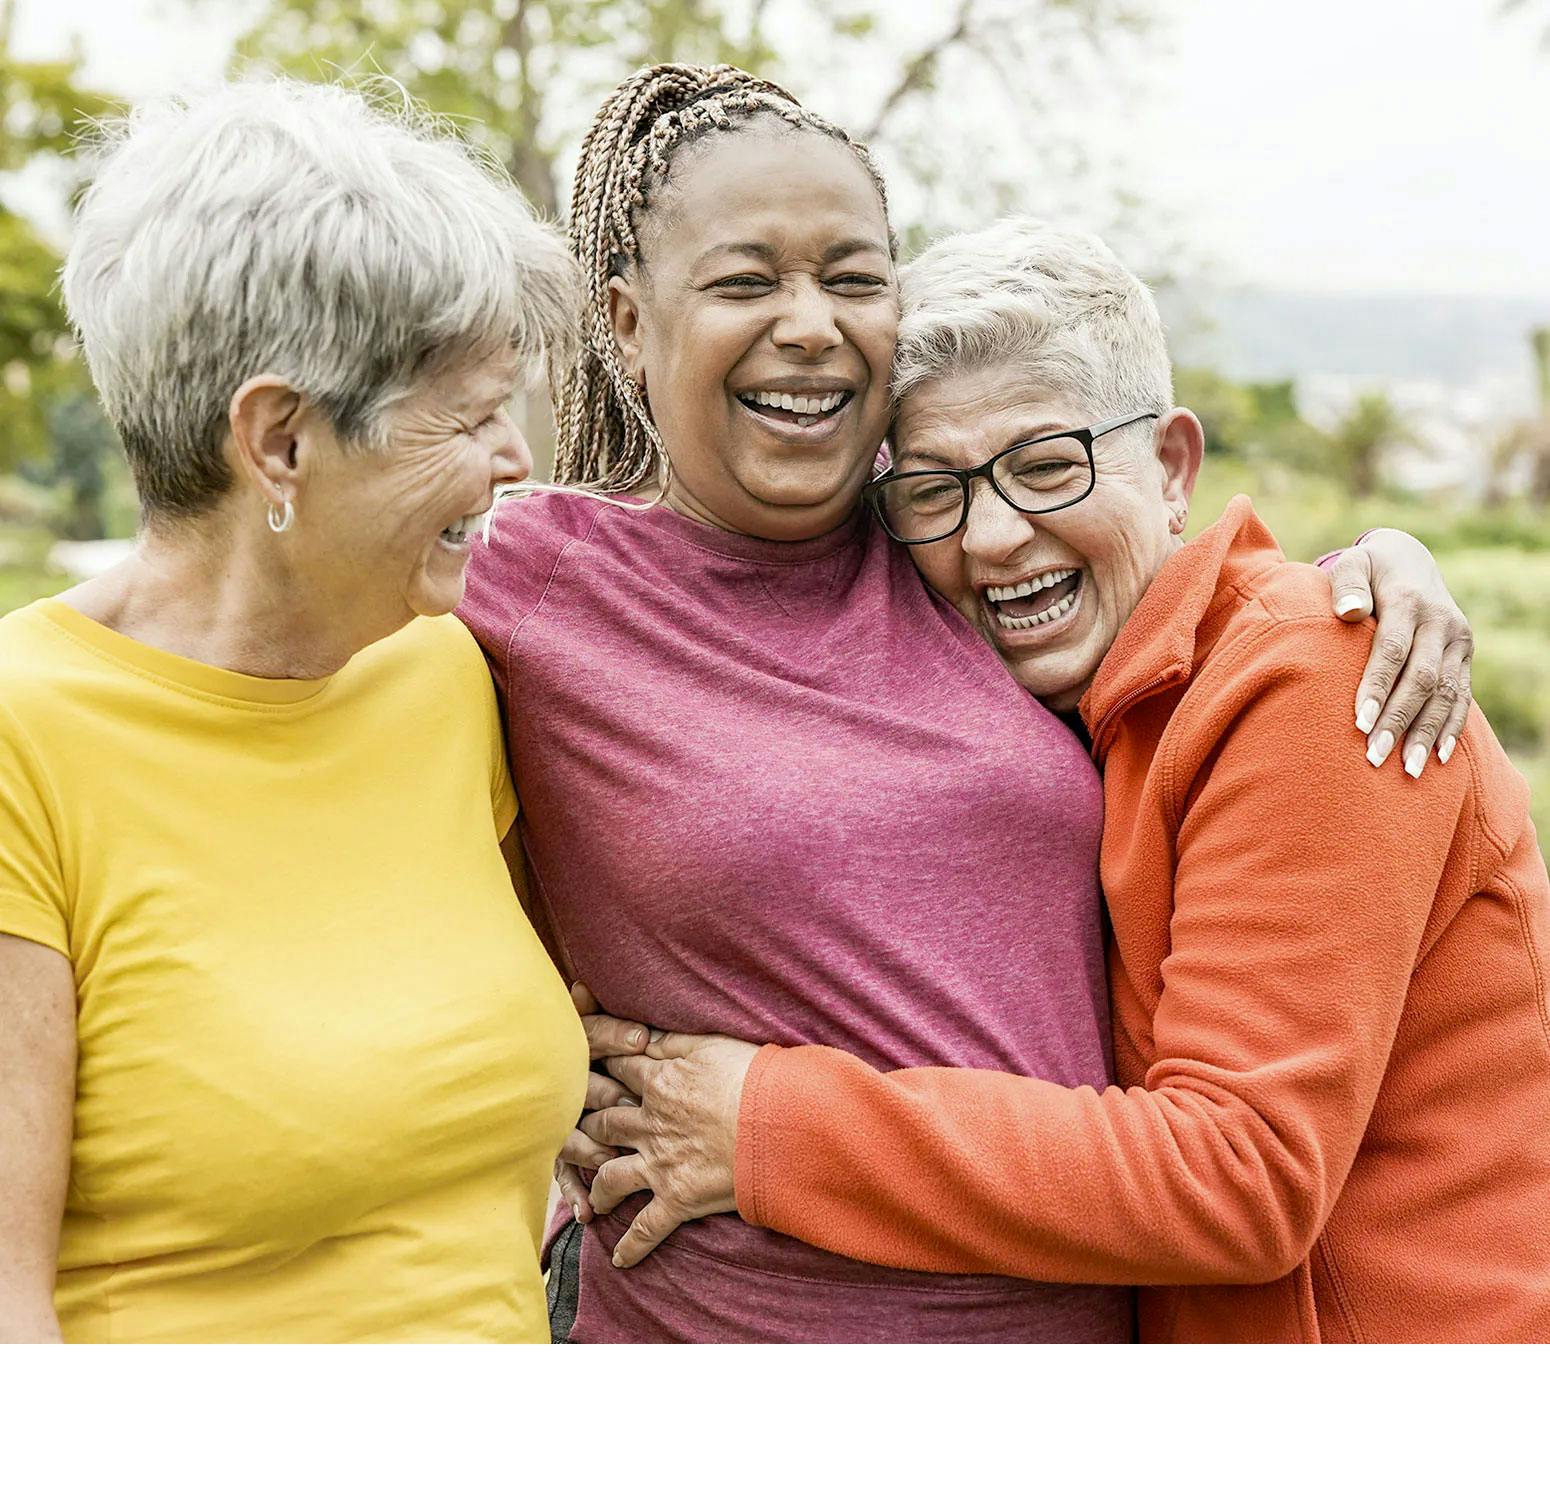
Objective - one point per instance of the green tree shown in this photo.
(1370, 433)
(1526, 443)
(523, 76)
(43, 384)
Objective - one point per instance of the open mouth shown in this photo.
(1040, 600)
(783, 409)
(458, 533)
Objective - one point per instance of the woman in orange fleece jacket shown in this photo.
(1334, 1052)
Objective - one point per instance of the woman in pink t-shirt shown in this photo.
(772, 786)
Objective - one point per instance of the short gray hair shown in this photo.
(1055, 302)
(349, 243)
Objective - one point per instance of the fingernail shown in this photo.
(1415, 760)
(617, 1262)
(628, 1099)
(1445, 749)
(1378, 751)
(1350, 601)
(575, 1211)
(638, 1037)
(1367, 715)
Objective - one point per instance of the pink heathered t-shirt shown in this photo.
(781, 791)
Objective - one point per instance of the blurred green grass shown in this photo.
(1496, 561)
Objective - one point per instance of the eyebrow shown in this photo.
(757, 249)
(936, 461)
(846, 248)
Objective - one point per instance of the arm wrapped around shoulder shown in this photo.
(1294, 891)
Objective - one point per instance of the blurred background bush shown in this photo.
(1337, 409)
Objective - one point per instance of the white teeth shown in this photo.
(460, 528)
(798, 405)
(1029, 586)
(1054, 612)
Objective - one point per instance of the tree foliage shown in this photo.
(1367, 436)
(523, 77)
(43, 109)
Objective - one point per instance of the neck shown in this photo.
(226, 595)
(677, 499)
(787, 524)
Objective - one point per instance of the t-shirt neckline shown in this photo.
(179, 671)
(745, 548)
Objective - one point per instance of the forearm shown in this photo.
(37, 1099)
(953, 1170)
(1268, 1032)
(27, 1317)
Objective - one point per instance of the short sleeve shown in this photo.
(32, 890)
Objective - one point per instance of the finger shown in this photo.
(1390, 651)
(1454, 726)
(574, 1191)
(1436, 711)
(583, 999)
(582, 1149)
(1416, 684)
(604, 1092)
(620, 1179)
(649, 1228)
(608, 1036)
(635, 1073)
(663, 1045)
(1350, 584)
(623, 1126)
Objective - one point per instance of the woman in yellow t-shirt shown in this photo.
(280, 1056)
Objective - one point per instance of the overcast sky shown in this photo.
(1350, 145)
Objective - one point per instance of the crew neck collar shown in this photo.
(735, 544)
(179, 671)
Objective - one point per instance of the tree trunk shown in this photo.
(530, 165)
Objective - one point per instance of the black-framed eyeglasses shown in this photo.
(1035, 476)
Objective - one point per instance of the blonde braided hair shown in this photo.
(605, 437)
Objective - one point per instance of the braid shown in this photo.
(604, 434)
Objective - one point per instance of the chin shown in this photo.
(437, 596)
(1059, 685)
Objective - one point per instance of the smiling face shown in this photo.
(1049, 592)
(388, 531)
(763, 324)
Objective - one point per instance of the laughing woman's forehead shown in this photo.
(766, 192)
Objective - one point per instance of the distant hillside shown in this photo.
(1248, 333)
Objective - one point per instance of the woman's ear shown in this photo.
(266, 417)
(625, 317)
(1181, 444)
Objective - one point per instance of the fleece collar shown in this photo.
(1179, 618)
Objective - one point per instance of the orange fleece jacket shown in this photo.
(1330, 1017)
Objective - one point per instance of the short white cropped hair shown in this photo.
(350, 244)
(1055, 303)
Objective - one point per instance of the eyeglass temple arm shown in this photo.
(1140, 416)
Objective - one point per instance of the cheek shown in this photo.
(944, 569)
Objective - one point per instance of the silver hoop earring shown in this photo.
(281, 516)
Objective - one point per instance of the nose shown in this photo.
(512, 460)
(994, 531)
(807, 321)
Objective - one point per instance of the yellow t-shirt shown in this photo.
(324, 1062)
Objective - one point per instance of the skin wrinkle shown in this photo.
(775, 297)
(658, 121)
(364, 555)
(1119, 536)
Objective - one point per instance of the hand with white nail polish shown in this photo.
(1416, 684)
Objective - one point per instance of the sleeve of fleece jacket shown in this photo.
(1304, 884)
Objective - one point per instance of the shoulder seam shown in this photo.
(543, 594)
